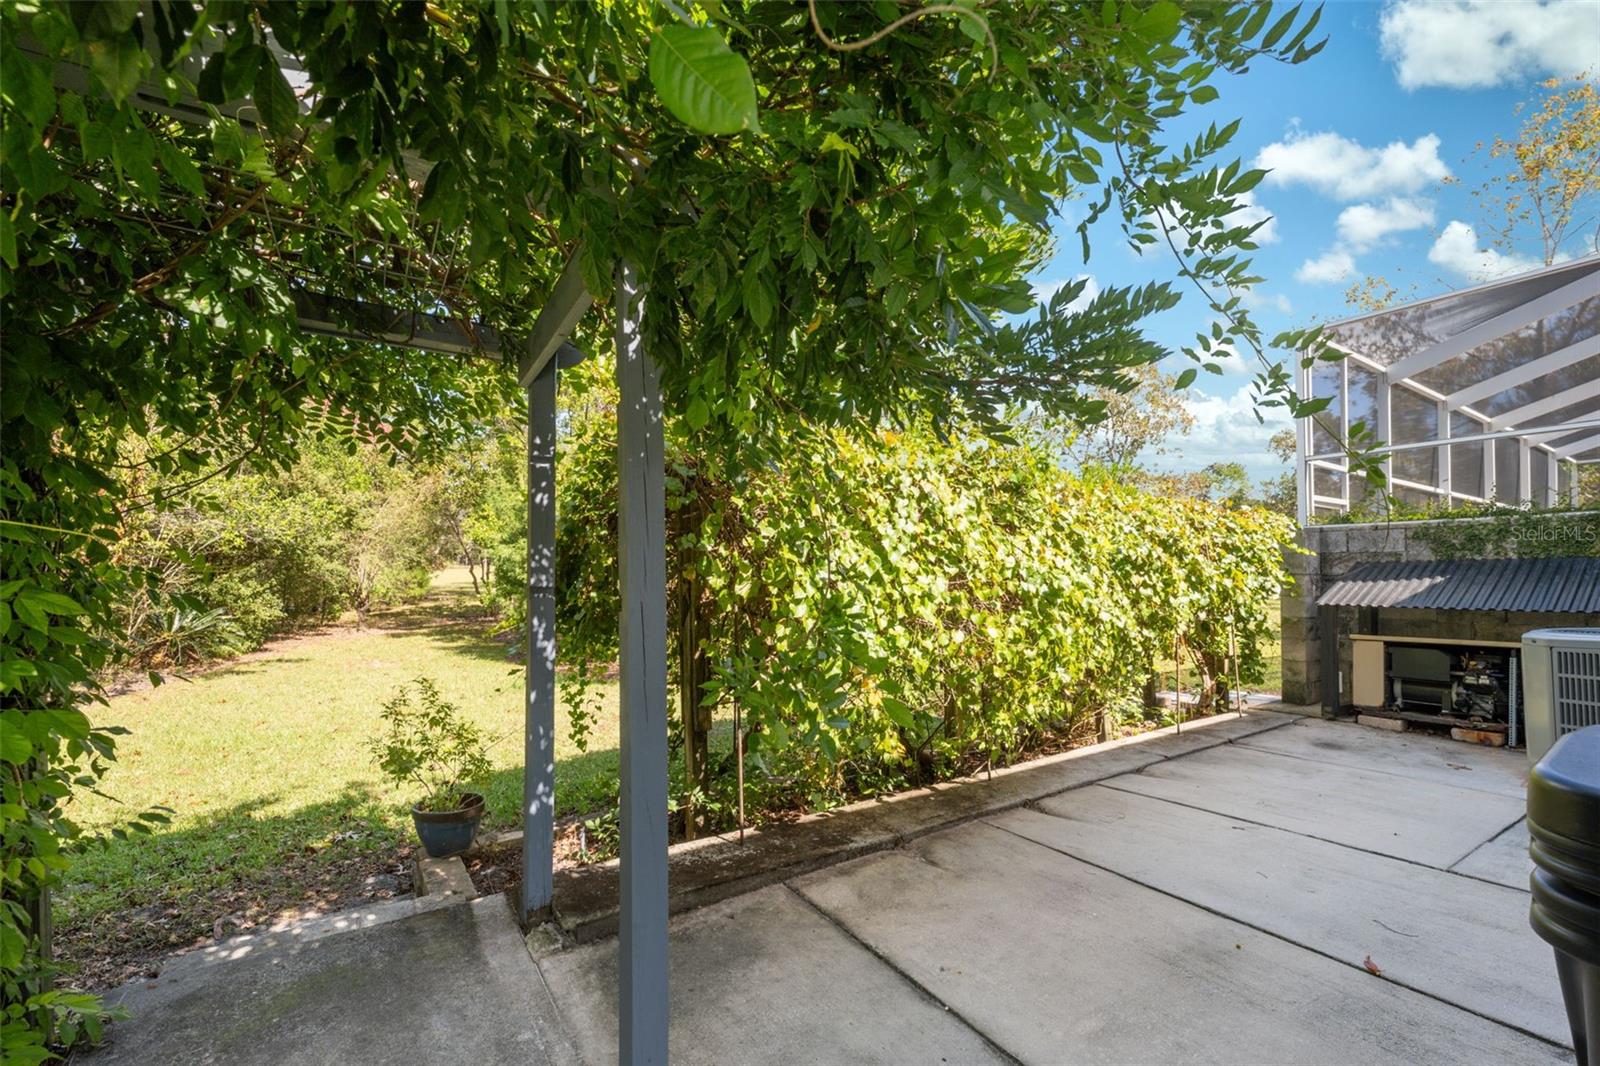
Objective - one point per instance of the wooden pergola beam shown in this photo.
(642, 658)
(374, 323)
(567, 304)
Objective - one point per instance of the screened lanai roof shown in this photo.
(1488, 394)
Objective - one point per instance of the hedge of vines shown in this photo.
(888, 610)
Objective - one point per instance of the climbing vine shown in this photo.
(1496, 531)
(894, 609)
(840, 246)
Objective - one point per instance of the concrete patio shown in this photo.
(1223, 896)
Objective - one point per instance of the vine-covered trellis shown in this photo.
(218, 217)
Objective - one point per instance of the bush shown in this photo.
(430, 746)
(895, 609)
(263, 550)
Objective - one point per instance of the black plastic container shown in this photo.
(1564, 824)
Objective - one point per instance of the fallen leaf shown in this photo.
(1371, 966)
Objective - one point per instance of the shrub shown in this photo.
(429, 745)
(894, 609)
(252, 554)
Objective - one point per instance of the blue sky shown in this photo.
(1360, 139)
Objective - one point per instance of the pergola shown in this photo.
(642, 622)
(1488, 394)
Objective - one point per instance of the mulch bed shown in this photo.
(119, 946)
(498, 867)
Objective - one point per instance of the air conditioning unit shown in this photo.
(1561, 685)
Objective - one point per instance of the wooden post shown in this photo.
(538, 762)
(642, 633)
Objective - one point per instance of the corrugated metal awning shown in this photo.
(1568, 585)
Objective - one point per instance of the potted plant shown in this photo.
(430, 745)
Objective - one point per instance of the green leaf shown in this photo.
(27, 88)
(899, 713)
(1159, 22)
(179, 168)
(1186, 378)
(275, 99)
(210, 85)
(118, 63)
(8, 240)
(1280, 28)
(702, 81)
(759, 299)
(697, 413)
(51, 602)
(14, 747)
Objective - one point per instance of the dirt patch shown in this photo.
(497, 867)
(118, 946)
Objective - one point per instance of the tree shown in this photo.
(1141, 417)
(831, 233)
(1278, 493)
(1549, 193)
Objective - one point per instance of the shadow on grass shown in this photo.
(450, 621)
(127, 901)
(242, 668)
(584, 784)
(472, 641)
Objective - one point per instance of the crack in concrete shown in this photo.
(1295, 832)
(1452, 867)
(1244, 742)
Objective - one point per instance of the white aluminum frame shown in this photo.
(1509, 425)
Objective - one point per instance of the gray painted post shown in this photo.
(642, 638)
(538, 761)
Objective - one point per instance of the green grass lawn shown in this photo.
(277, 806)
(264, 763)
(1272, 677)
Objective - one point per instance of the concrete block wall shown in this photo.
(1328, 553)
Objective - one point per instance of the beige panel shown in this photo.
(1366, 683)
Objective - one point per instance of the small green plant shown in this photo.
(600, 837)
(429, 744)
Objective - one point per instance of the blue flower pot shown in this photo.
(446, 833)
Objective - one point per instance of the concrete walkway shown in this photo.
(1223, 896)
(452, 984)
(1219, 907)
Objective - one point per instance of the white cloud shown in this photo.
(1228, 358)
(1473, 44)
(1457, 249)
(1335, 264)
(1348, 170)
(1249, 214)
(1043, 290)
(1256, 300)
(1226, 430)
(1361, 226)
